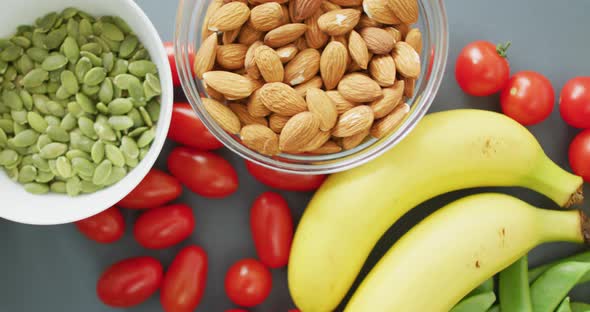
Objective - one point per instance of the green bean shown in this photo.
(486, 286)
(564, 306)
(553, 285)
(477, 303)
(581, 257)
(494, 308)
(514, 288)
(580, 307)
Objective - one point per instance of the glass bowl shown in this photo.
(434, 28)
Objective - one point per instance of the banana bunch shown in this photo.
(451, 251)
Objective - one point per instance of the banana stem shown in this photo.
(571, 226)
(549, 179)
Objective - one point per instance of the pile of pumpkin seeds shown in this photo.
(79, 103)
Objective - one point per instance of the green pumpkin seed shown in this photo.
(7, 125)
(52, 120)
(46, 22)
(35, 78)
(98, 152)
(105, 131)
(61, 93)
(88, 187)
(27, 174)
(21, 41)
(128, 46)
(5, 43)
(95, 76)
(55, 38)
(42, 141)
(52, 166)
(120, 67)
(71, 50)
(12, 100)
(115, 155)
(92, 47)
(146, 117)
(82, 67)
(11, 53)
(86, 16)
(53, 150)
(85, 103)
(26, 160)
(52, 87)
(83, 166)
(64, 167)
(123, 26)
(3, 138)
(124, 81)
(105, 94)
(40, 103)
(56, 109)
(143, 152)
(120, 106)
(153, 82)
(40, 163)
(147, 90)
(97, 28)
(27, 99)
(37, 122)
(8, 157)
(129, 147)
(37, 54)
(73, 28)
(120, 122)
(38, 39)
(10, 74)
(54, 62)
(142, 67)
(44, 177)
(102, 43)
(117, 174)
(102, 172)
(12, 173)
(80, 141)
(25, 138)
(136, 117)
(42, 89)
(153, 108)
(58, 134)
(19, 116)
(90, 91)
(24, 64)
(108, 61)
(68, 13)
(95, 60)
(75, 109)
(102, 108)
(76, 153)
(73, 186)
(22, 29)
(146, 138)
(87, 127)
(141, 54)
(58, 187)
(69, 82)
(69, 122)
(3, 67)
(36, 188)
(112, 32)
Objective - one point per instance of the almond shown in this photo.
(357, 47)
(229, 17)
(414, 38)
(333, 64)
(249, 35)
(392, 96)
(282, 99)
(269, 64)
(314, 37)
(342, 104)
(379, 11)
(305, 8)
(318, 141)
(315, 82)
(287, 52)
(286, 15)
(348, 3)
(360, 88)
(329, 147)
(329, 6)
(322, 107)
(298, 132)
(250, 61)
(230, 36)
(231, 56)
(382, 69)
(410, 86)
(277, 122)
(266, 16)
(339, 22)
(405, 10)
(284, 35)
(255, 106)
(244, 116)
(378, 40)
(403, 29)
(407, 60)
(261, 139)
(354, 121)
(205, 57)
(212, 93)
(354, 140)
(354, 67)
(342, 39)
(257, 84)
(301, 43)
(304, 66)
(292, 12)
(257, 2)
(387, 125)
(394, 33)
(231, 85)
(213, 6)
(224, 117)
(366, 21)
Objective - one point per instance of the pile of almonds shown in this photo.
(309, 76)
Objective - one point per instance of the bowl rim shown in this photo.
(436, 64)
(110, 196)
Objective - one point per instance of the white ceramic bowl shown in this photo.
(18, 205)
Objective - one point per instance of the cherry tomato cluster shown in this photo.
(527, 97)
(162, 224)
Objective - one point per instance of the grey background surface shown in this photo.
(55, 268)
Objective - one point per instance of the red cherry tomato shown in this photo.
(185, 280)
(294, 310)
(164, 227)
(285, 181)
(156, 189)
(528, 98)
(579, 155)
(272, 229)
(248, 283)
(187, 129)
(204, 173)
(129, 282)
(169, 46)
(574, 102)
(482, 68)
(105, 227)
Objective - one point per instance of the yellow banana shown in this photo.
(455, 249)
(447, 151)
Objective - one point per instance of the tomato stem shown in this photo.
(501, 48)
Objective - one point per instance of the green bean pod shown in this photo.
(477, 303)
(486, 286)
(514, 291)
(564, 306)
(581, 257)
(552, 287)
(494, 308)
